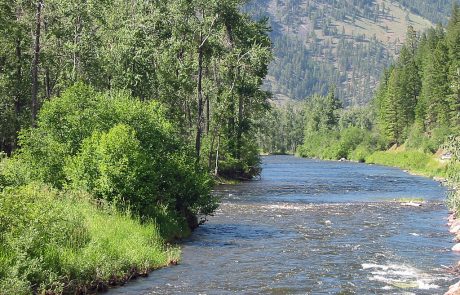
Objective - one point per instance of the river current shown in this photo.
(316, 227)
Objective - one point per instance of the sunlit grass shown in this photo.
(63, 241)
(415, 161)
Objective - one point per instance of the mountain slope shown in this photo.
(319, 43)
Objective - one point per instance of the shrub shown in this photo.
(118, 148)
(246, 166)
(334, 145)
(427, 143)
(320, 145)
(113, 167)
(349, 140)
(360, 153)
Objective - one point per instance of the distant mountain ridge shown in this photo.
(347, 43)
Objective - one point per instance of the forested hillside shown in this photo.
(342, 43)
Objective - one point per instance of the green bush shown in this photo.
(351, 143)
(350, 138)
(113, 167)
(246, 166)
(93, 193)
(360, 153)
(424, 142)
(322, 145)
(119, 149)
(453, 173)
(438, 138)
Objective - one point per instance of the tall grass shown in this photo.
(52, 241)
(415, 161)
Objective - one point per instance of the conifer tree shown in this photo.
(453, 44)
(331, 105)
(437, 88)
(391, 110)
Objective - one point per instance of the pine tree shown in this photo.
(331, 106)
(409, 76)
(391, 110)
(436, 88)
(453, 44)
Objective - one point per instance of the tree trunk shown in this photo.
(216, 170)
(76, 57)
(231, 107)
(36, 61)
(239, 134)
(47, 83)
(199, 123)
(17, 98)
(210, 153)
(207, 115)
(47, 71)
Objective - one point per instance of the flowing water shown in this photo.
(316, 227)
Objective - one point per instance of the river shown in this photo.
(316, 227)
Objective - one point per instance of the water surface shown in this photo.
(316, 227)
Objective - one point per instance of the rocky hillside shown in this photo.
(346, 43)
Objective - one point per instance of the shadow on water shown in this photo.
(313, 227)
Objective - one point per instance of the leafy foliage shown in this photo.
(118, 148)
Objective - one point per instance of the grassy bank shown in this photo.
(62, 242)
(414, 161)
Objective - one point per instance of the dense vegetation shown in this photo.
(114, 117)
(342, 43)
(203, 60)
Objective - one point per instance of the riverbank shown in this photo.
(95, 193)
(418, 163)
(415, 162)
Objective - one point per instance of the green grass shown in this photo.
(62, 242)
(414, 161)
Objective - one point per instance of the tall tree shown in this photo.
(36, 60)
(391, 110)
(453, 44)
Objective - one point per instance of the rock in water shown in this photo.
(411, 204)
(454, 289)
(455, 227)
(456, 248)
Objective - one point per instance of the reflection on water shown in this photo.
(314, 227)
